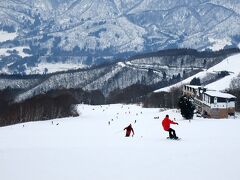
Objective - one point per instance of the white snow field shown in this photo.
(19, 50)
(53, 67)
(88, 148)
(5, 36)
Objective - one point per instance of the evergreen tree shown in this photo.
(187, 107)
(195, 81)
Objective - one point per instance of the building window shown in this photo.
(215, 100)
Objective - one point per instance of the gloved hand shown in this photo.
(177, 123)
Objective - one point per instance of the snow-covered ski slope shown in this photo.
(87, 148)
(231, 64)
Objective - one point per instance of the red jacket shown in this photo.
(166, 123)
(129, 130)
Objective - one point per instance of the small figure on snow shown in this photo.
(166, 126)
(129, 129)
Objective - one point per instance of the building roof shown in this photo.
(219, 94)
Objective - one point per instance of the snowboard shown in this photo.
(174, 139)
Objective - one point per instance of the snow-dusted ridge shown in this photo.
(231, 64)
(148, 70)
(54, 67)
(99, 31)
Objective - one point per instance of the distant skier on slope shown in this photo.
(129, 129)
(166, 126)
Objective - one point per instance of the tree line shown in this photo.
(51, 105)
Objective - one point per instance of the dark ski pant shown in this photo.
(172, 133)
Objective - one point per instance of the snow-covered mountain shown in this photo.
(230, 64)
(86, 32)
(87, 147)
(155, 69)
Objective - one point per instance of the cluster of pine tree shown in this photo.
(195, 81)
(186, 106)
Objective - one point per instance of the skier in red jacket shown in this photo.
(129, 129)
(166, 126)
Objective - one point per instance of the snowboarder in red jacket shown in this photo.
(129, 129)
(166, 126)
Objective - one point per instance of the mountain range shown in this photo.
(89, 32)
(155, 70)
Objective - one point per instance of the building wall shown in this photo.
(198, 103)
(189, 91)
(218, 113)
(210, 105)
(231, 111)
(223, 105)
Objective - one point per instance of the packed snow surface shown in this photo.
(231, 64)
(88, 148)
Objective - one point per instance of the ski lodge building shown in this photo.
(211, 103)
